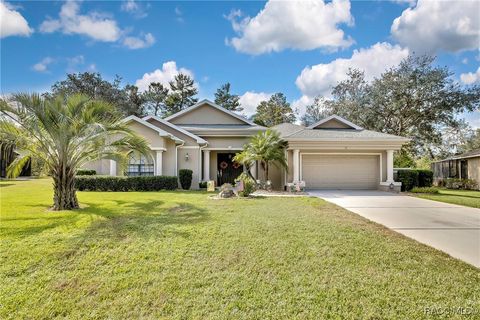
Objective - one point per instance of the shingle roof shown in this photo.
(342, 134)
(469, 154)
(195, 127)
(286, 129)
(289, 131)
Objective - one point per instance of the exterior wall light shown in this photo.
(187, 157)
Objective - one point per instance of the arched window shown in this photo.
(139, 165)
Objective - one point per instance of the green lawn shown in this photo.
(467, 198)
(181, 255)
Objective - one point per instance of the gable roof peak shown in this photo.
(337, 118)
(175, 127)
(147, 124)
(212, 104)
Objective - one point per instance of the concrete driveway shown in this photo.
(446, 227)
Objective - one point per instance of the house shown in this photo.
(331, 154)
(463, 166)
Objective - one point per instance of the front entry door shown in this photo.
(227, 169)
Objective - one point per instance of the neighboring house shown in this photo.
(331, 154)
(464, 166)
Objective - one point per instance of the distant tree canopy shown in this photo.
(159, 99)
(274, 111)
(315, 112)
(414, 99)
(95, 87)
(225, 99)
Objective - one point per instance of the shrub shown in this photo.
(465, 184)
(248, 184)
(202, 185)
(108, 183)
(185, 176)
(425, 178)
(86, 172)
(431, 190)
(408, 178)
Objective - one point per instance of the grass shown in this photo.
(469, 198)
(181, 255)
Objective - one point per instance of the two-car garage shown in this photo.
(340, 171)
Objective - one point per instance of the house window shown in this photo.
(139, 165)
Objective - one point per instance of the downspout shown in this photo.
(176, 157)
(200, 161)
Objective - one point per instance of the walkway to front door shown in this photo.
(450, 228)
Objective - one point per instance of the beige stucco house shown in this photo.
(331, 154)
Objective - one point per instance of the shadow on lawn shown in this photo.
(142, 219)
(3, 185)
(122, 220)
(139, 220)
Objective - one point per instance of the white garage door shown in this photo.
(341, 171)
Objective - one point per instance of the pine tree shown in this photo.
(274, 111)
(181, 96)
(155, 98)
(225, 99)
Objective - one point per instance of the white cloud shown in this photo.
(439, 25)
(42, 66)
(167, 73)
(12, 23)
(134, 8)
(319, 79)
(470, 77)
(302, 25)
(179, 14)
(93, 24)
(300, 105)
(410, 3)
(250, 100)
(139, 43)
(99, 27)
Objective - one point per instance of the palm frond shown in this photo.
(17, 165)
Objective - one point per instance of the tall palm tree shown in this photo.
(266, 147)
(65, 133)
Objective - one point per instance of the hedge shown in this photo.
(142, 183)
(408, 178)
(86, 172)
(185, 176)
(412, 178)
(425, 178)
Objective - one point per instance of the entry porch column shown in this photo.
(158, 162)
(389, 166)
(206, 165)
(113, 167)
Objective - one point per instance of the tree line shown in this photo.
(415, 99)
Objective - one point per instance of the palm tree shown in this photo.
(266, 147)
(65, 133)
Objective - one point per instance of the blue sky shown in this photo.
(259, 47)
